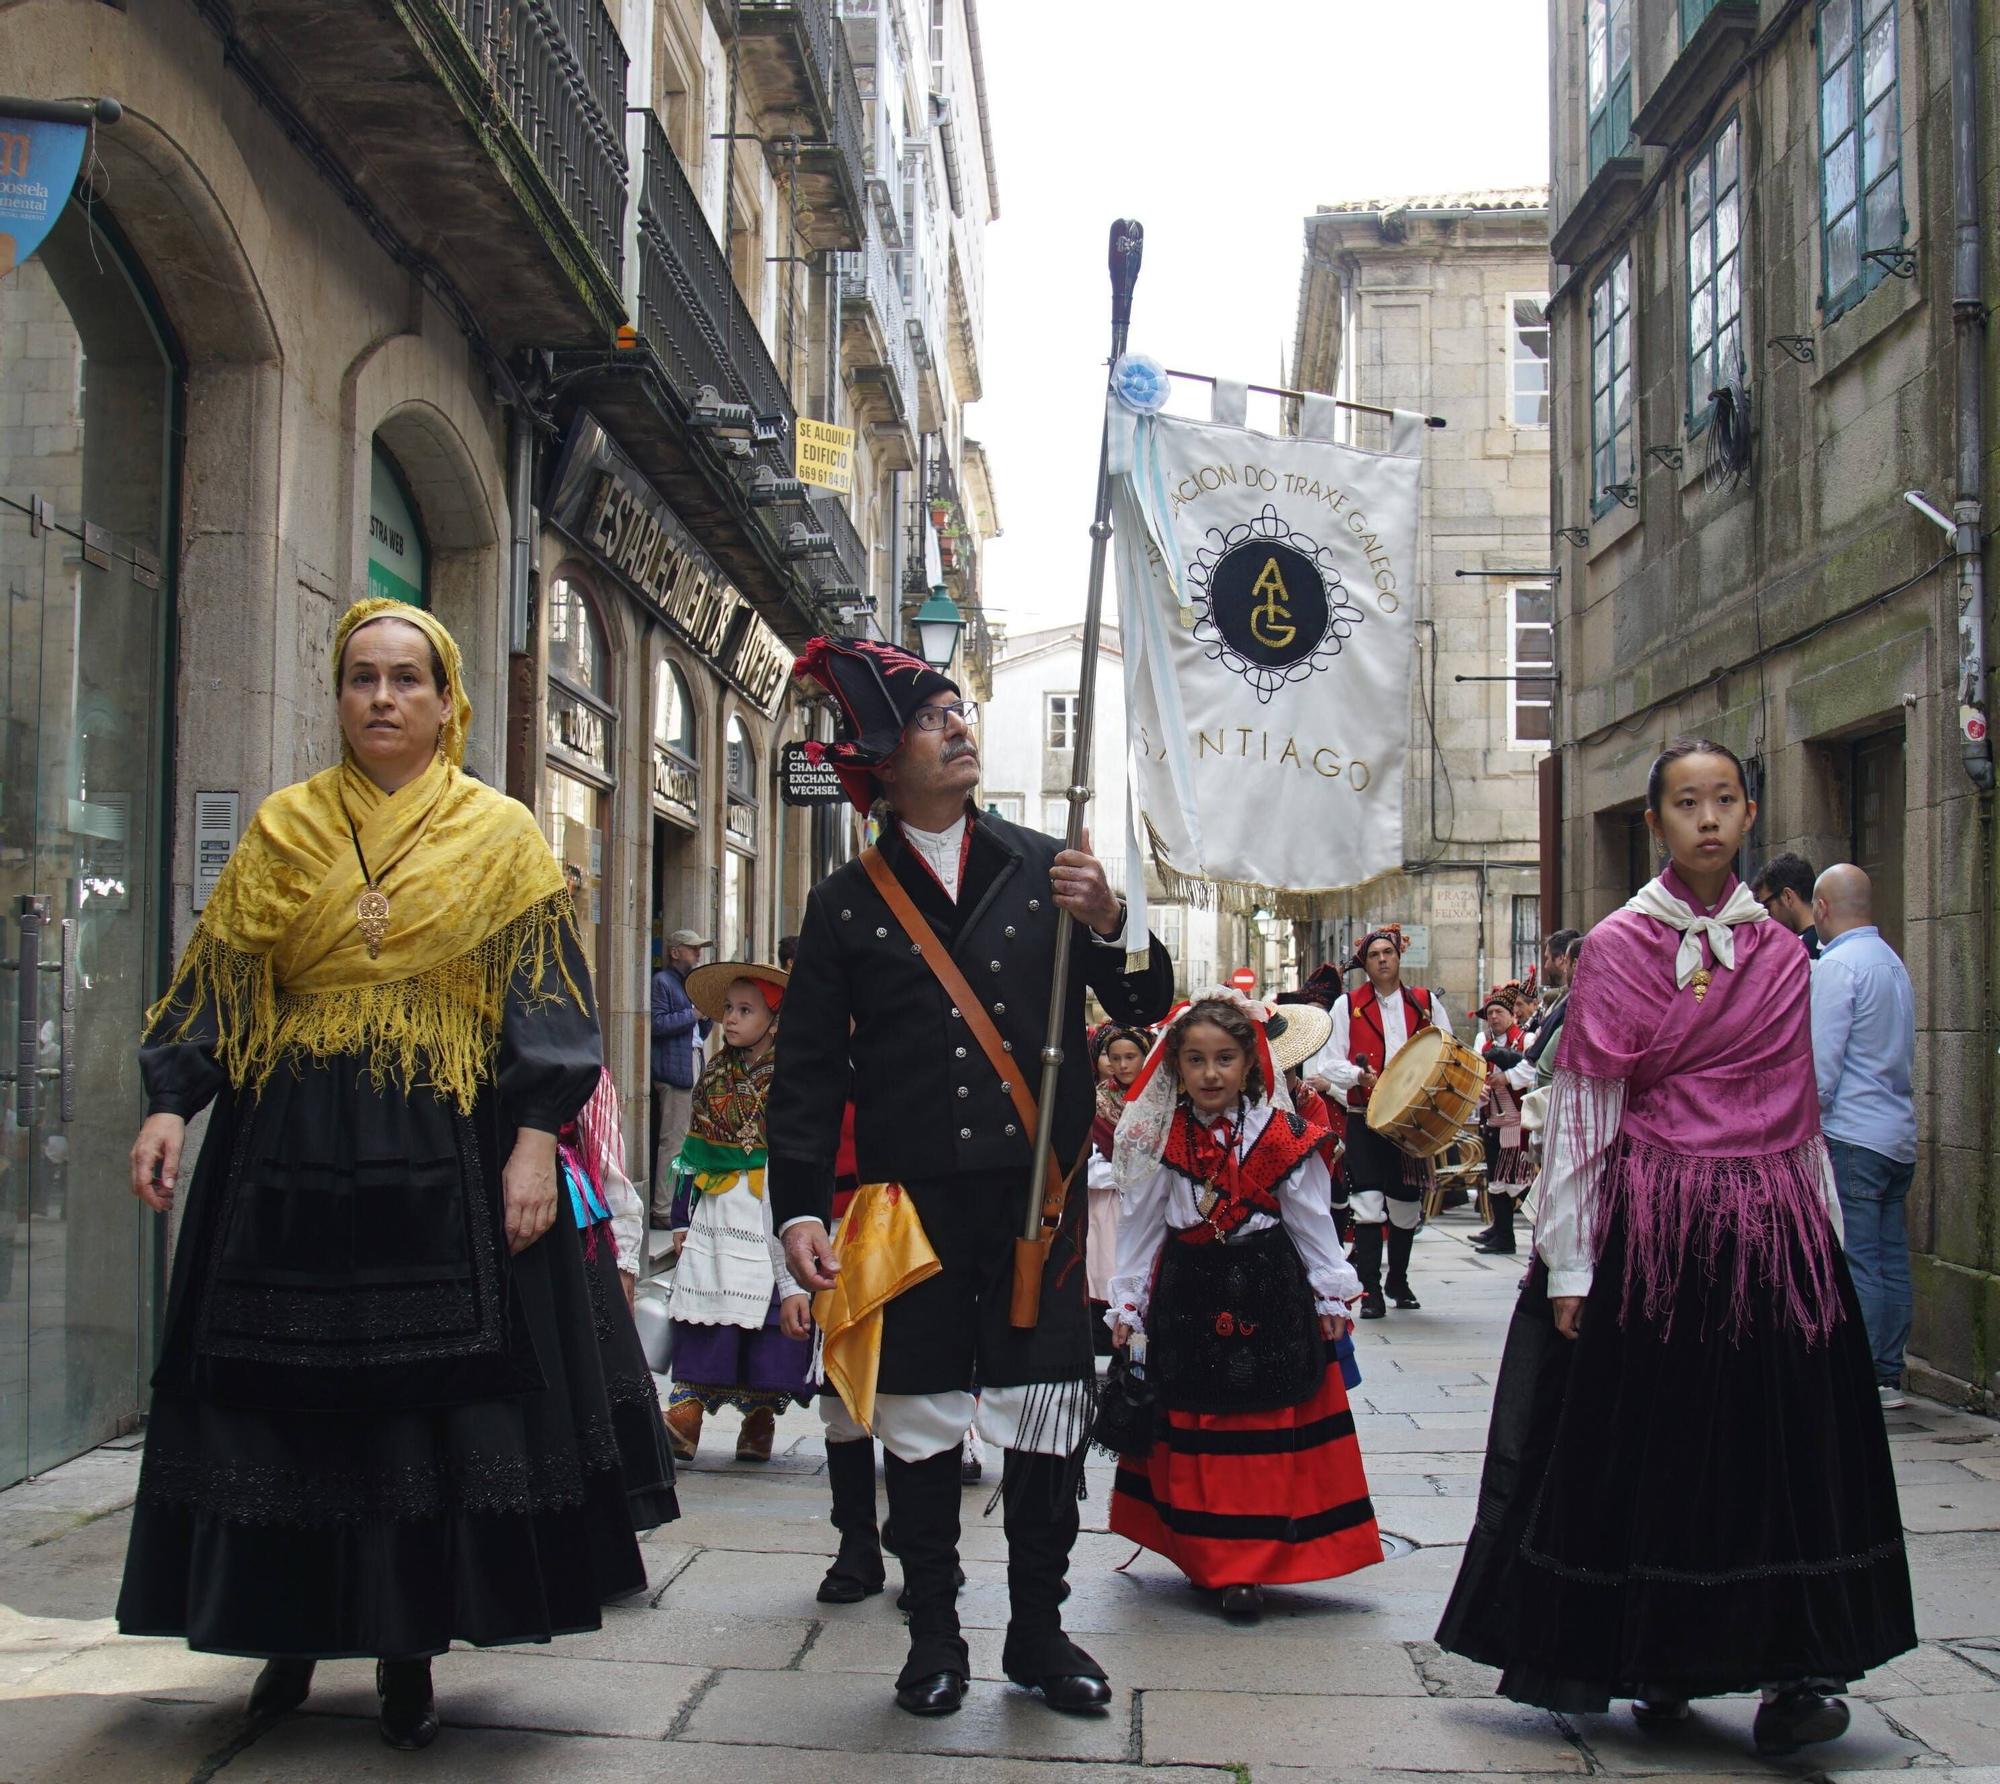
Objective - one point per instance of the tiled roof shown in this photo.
(1512, 198)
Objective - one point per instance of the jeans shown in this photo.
(1872, 1190)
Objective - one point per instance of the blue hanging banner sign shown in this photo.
(38, 165)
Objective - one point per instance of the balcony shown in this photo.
(489, 132)
(799, 88)
(875, 350)
(921, 272)
(876, 50)
(696, 332)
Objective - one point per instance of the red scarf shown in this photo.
(1246, 1182)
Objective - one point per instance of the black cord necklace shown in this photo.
(371, 909)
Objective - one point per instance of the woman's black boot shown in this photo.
(283, 1685)
(409, 1717)
(856, 1572)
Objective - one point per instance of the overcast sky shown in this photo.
(1220, 125)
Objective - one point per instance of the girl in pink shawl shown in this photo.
(1687, 1489)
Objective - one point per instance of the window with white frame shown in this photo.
(1059, 728)
(1010, 806)
(1715, 264)
(1531, 661)
(1612, 448)
(1055, 815)
(1525, 950)
(1528, 387)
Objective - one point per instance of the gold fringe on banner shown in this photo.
(1301, 904)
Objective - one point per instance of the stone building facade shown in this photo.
(1437, 304)
(498, 349)
(1754, 364)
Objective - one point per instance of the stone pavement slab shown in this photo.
(727, 1671)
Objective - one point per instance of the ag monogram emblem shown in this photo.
(1269, 603)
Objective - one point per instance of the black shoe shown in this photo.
(1405, 1301)
(936, 1694)
(660, 1223)
(1480, 1238)
(281, 1686)
(1075, 1694)
(856, 1574)
(970, 1470)
(409, 1718)
(903, 1597)
(1371, 1305)
(1242, 1604)
(1496, 1247)
(1659, 1712)
(1797, 1719)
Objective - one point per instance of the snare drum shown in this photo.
(1427, 1093)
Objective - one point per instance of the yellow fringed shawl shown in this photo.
(475, 899)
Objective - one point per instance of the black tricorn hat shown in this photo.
(877, 688)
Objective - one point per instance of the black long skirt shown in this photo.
(1685, 1514)
(373, 1433)
(636, 1424)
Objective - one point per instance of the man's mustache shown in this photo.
(963, 748)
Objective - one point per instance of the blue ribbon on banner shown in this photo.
(38, 166)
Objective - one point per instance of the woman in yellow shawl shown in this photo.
(379, 1421)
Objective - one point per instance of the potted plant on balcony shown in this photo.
(940, 514)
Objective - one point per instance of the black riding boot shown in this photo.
(923, 1501)
(1401, 1239)
(1500, 1236)
(1038, 1494)
(1367, 1261)
(856, 1572)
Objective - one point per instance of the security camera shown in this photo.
(1932, 513)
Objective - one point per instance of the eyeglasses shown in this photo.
(932, 718)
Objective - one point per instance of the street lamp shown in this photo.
(939, 623)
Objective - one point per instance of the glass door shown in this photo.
(87, 398)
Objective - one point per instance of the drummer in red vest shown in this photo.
(1385, 1184)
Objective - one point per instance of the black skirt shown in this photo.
(641, 1435)
(373, 1432)
(1689, 1515)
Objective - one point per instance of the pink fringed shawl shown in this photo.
(1717, 1148)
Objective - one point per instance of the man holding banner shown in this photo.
(922, 988)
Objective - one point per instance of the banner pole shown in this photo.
(1128, 240)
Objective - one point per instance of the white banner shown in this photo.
(1265, 594)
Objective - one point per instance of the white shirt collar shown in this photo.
(941, 850)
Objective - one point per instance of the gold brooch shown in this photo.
(1700, 982)
(371, 917)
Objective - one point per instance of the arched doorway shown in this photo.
(90, 398)
(738, 938)
(581, 757)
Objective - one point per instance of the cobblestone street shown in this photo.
(730, 1670)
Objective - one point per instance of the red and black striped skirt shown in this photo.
(1253, 1498)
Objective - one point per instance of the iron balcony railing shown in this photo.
(559, 68)
(849, 124)
(814, 19)
(698, 326)
(869, 281)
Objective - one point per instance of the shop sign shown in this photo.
(674, 784)
(802, 781)
(578, 729)
(823, 455)
(598, 496)
(38, 163)
(395, 542)
(741, 822)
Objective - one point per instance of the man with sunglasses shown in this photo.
(867, 1015)
(1785, 890)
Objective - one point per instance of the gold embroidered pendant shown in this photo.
(371, 917)
(1700, 982)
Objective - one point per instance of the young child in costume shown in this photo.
(1229, 1269)
(611, 1220)
(1119, 1053)
(741, 1324)
(1687, 1489)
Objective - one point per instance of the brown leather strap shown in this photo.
(1009, 1070)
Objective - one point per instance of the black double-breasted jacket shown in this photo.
(864, 1015)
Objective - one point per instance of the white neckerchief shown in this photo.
(1654, 900)
(941, 849)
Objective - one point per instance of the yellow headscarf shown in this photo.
(475, 898)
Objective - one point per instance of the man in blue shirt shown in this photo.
(1864, 1035)
(674, 1020)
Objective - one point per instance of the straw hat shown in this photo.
(1297, 1031)
(708, 985)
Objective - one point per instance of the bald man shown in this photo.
(1864, 1037)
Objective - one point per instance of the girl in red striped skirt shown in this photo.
(1230, 1276)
